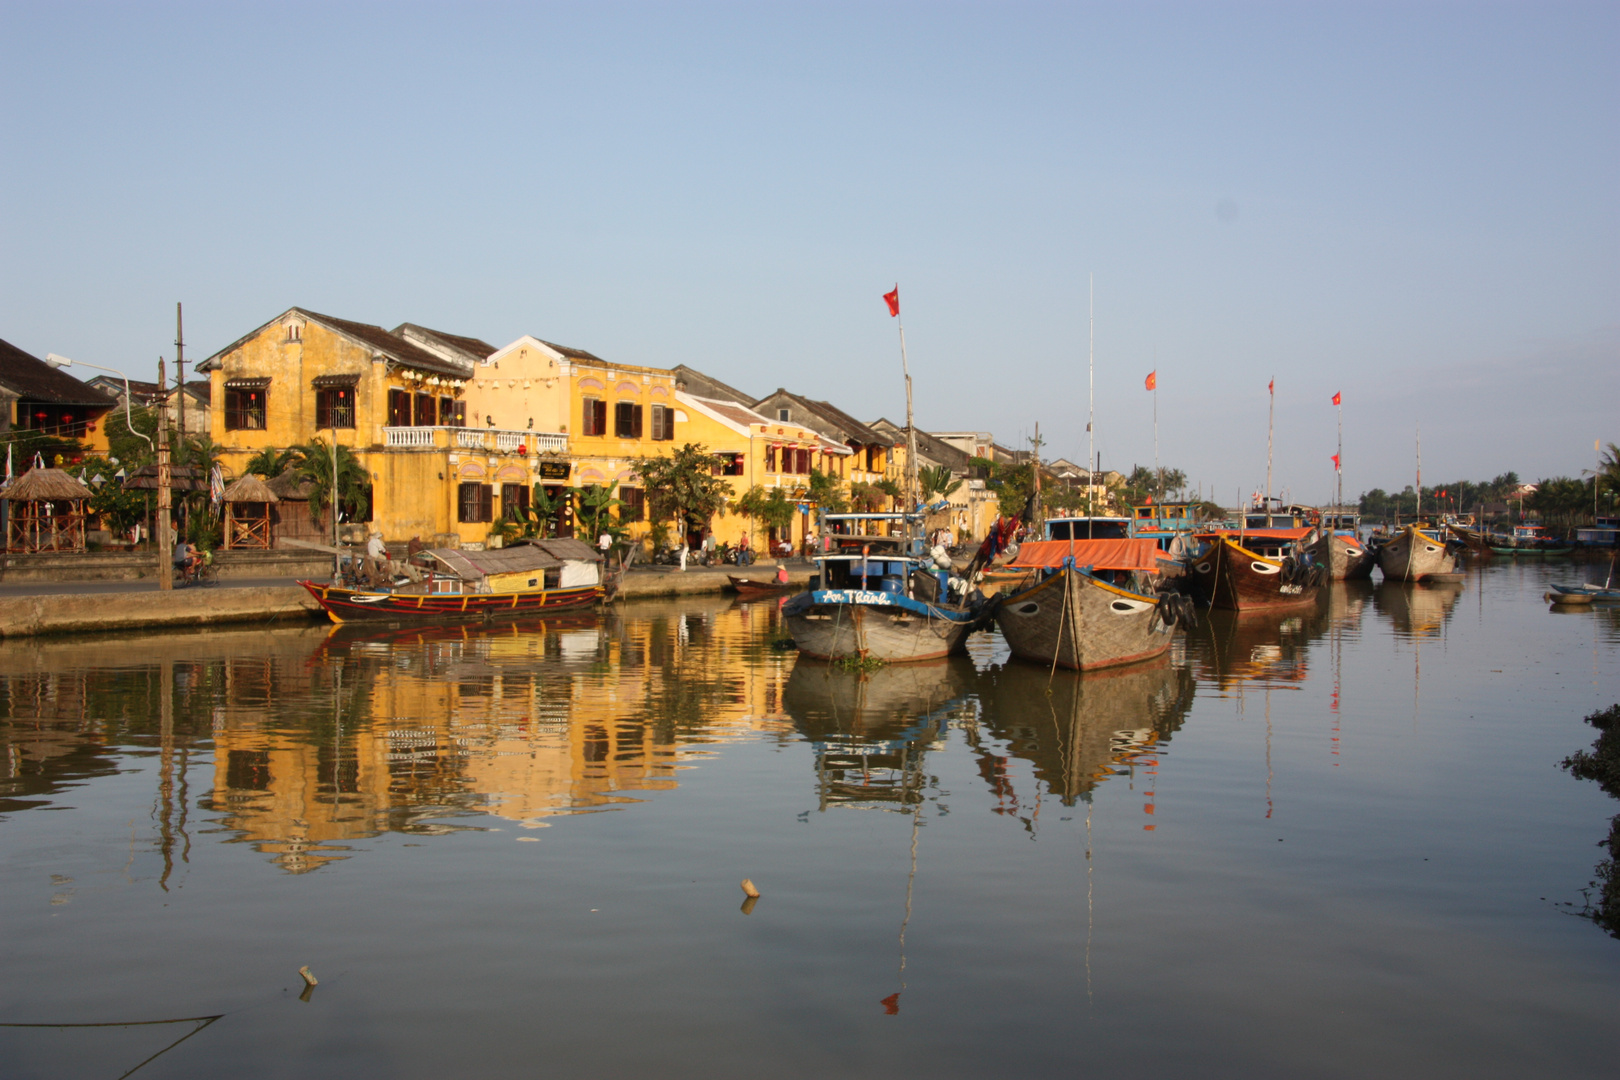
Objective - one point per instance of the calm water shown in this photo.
(1329, 844)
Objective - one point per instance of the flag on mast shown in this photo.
(1271, 387)
(893, 300)
(1152, 380)
(1335, 462)
(1336, 397)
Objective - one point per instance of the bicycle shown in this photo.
(202, 573)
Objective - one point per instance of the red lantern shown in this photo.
(522, 449)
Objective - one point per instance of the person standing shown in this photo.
(605, 543)
(744, 556)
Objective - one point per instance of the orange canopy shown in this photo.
(1274, 534)
(1137, 554)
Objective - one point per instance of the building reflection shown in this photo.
(325, 736)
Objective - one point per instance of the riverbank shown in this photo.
(45, 607)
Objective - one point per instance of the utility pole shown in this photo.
(165, 541)
(180, 393)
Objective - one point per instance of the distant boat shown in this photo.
(1413, 554)
(1268, 568)
(1092, 606)
(1586, 592)
(1529, 540)
(754, 587)
(1344, 555)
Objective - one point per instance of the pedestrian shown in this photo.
(683, 555)
(744, 556)
(708, 547)
(605, 542)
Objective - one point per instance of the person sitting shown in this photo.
(781, 574)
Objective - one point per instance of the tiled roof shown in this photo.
(708, 387)
(474, 347)
(389, 345)
(836, 417)
(572, 354)
(30, 377)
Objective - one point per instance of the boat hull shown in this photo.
(1412, 555)
(840, 624)
(1075, 621)
(1237, 579)
(1346, 558)
(753, 587)
(350, 605)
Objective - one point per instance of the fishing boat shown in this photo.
(1529, 540)
(1604, 532)
(1561, 593)
(878, 597)
(1413, 554)
(1091, 606)
(1243, 570)
(1344, 555)
(449, 584)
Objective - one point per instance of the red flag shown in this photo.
(1336, 397)
(1335, 461)
(893, 299)
(1271, 387)
(1153, 380)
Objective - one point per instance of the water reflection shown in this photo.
(1230, 648)
(1417, 610)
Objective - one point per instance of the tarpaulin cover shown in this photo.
(1135, 554)
(1264, 534)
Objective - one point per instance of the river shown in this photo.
(1335, 843)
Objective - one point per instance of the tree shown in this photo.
(937, 481)
(892, 489)
(1562, 501)
(543, 509)
(770, 507)
(684, 486)
(314, 467)
(826, 491)
(866, 498)
(118, 509)
(270, 462)
(125, 444)
(596, 503)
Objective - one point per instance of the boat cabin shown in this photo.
(1088, 528)
(531, 566)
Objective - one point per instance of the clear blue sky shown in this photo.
(1412, 203)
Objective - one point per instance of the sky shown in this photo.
(1412, 204)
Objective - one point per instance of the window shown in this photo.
(730, 465)
(334, 407)
(244, 406)
(427, 410)
(452, 413)
(632, 503)
(803, 462)
(515, 502)
(782, 414)
(595, 417)
(399, 408)
(663, 423)
(295, 331)
(770, 459)
(477, 502)
(627, 420)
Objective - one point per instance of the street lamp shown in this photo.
(161, 450)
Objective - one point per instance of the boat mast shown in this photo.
(1091, 406)
(911, 439)
(1271, 426)
(1418, 513)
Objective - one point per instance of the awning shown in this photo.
(247, 384)
(1137, 554)
(322, 382)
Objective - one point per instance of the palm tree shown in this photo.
(937, 480)
(313, 466)
(270, 462)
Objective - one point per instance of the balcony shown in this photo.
(491, 440)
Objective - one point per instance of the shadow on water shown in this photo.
(1602, 764)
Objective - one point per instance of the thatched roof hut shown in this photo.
(289, 485)
(247, 513)
(47, 511)
(52, 485)
(250, 489)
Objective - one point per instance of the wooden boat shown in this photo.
(1092, 607)
(875, 599)
(1529, 540)
(1566, 594)
(754, 587)
(1412, 555)
(1344, 555)
(1243, 571)
(534, 578)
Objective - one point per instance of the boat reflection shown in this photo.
(870, 730)
(1077, 730)
(1417, 610)
(1231, 648)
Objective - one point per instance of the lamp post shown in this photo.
(161, 450)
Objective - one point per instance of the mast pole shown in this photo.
(911, 433)
(1271, 427)
(1091, 398)
(1338, 462)
(1417, 513)
(165, 543)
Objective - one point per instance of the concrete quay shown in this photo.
(37, 608)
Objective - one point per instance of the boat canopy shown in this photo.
(1136, 554)
(1263, 534)
(519, 559)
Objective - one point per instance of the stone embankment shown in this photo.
(142, 607)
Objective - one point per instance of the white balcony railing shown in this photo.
(499, 440)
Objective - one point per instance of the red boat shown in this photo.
(751, 587)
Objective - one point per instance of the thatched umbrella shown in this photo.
(247, 513)
(47, 511)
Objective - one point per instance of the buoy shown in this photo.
(749, 890)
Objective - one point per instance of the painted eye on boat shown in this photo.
(1202, 568)
(1120, 605)
(1027, 609)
